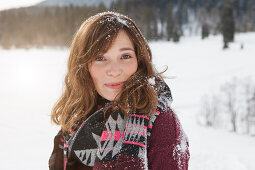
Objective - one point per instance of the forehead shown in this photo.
(122, 40)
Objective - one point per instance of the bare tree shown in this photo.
(251, 118)
(230, 92)
(248, 95)
(215, 107)
(206, 111)
(210, 110)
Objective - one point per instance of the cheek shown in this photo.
(95, 73)
(132, 68)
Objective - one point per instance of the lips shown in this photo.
(114, 85)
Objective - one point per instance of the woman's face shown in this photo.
(110, 71)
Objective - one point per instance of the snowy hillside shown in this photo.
(62, 3)
(31, 82)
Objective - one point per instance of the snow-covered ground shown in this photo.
(31, 81)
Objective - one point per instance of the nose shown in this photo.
(114, 69)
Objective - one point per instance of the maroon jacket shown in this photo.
(167, 148)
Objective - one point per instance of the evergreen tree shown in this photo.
(205, 31)
(6, 43)
(227, 22)
(169, 22)
(101, 7)
(176, 33)
(154, 23)
(149, 20)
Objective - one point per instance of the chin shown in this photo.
(109, 95)
(110, 98)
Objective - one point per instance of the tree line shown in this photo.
(161, 19)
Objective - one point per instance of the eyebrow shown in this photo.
(126, 48)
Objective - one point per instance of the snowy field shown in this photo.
(31, 81)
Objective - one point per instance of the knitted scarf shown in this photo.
(114, 141)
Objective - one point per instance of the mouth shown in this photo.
(114, 85)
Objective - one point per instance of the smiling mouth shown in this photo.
(114, 85)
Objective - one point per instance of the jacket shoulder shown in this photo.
(168, 144)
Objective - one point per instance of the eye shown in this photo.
(126, 57)
(100, 59)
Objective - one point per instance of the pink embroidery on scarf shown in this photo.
(141, 116)
(105, 135)
(134, 143)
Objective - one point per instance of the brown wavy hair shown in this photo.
(93, 39)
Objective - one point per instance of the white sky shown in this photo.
(7, 4)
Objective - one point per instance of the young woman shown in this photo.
(115, 111)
